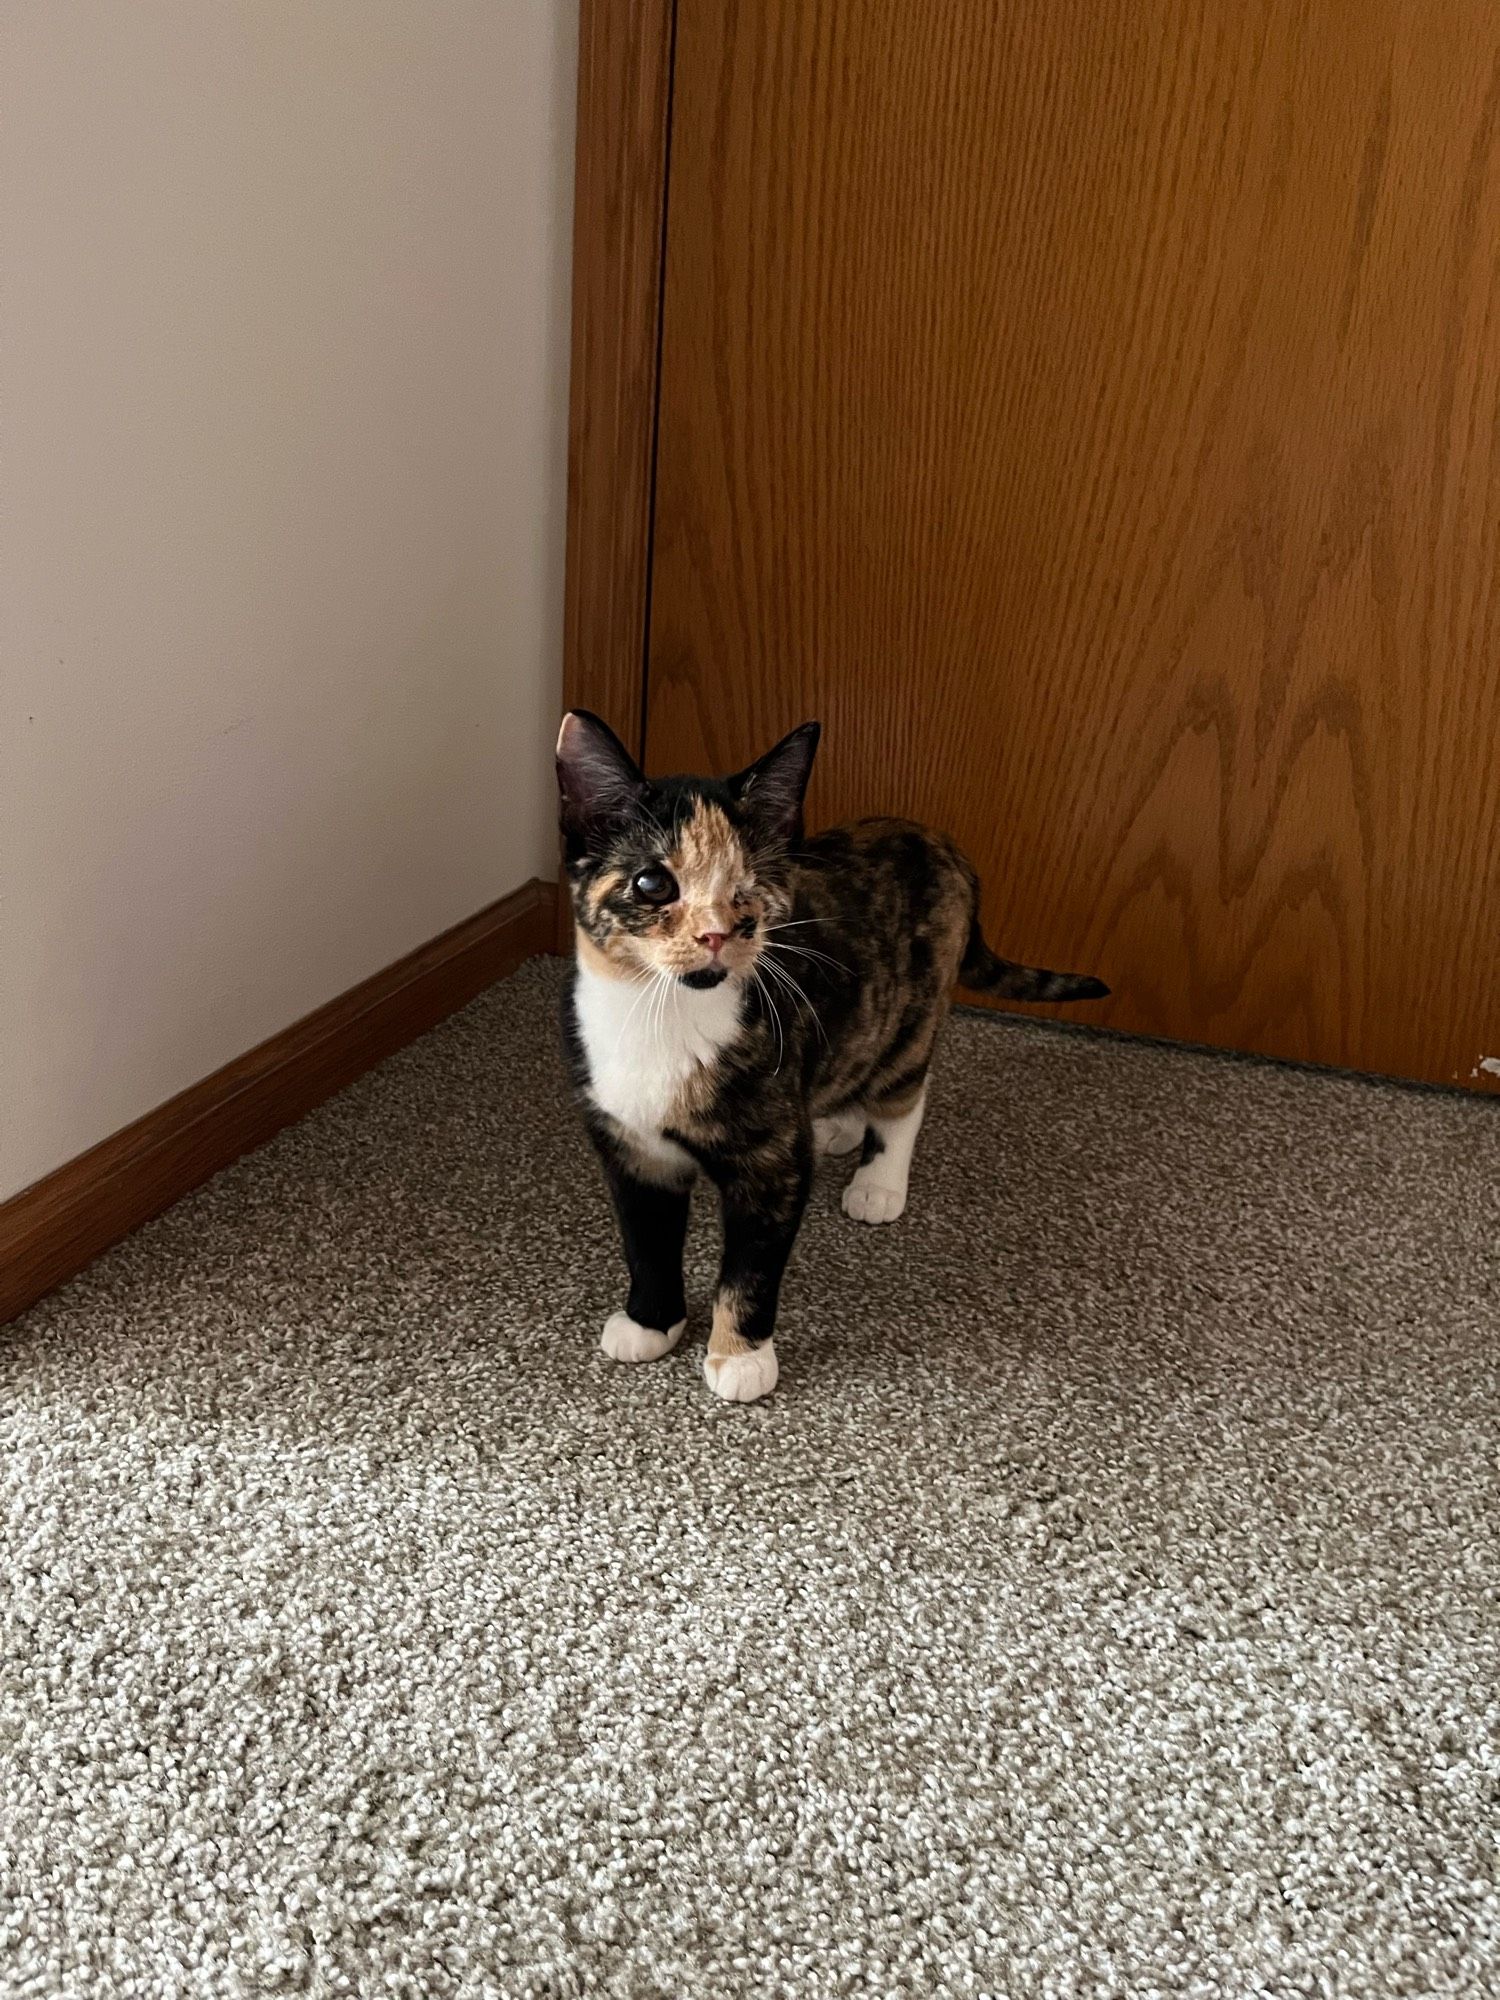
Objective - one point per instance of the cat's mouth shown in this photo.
(705, 977)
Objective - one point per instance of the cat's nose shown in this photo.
(714, 940)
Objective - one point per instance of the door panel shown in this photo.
(1091, 411)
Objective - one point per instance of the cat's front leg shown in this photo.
(763, 1195)
(653, 1221)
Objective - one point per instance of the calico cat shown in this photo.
(742, 999)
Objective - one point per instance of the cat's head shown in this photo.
(683, 876)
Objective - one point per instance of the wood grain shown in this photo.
(1092, 412)
(624, 89)
(49, 1231)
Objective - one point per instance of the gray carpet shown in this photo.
(1108, 1601)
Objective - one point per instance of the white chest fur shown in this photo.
(643, 1046)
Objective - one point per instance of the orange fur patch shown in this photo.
(726, 1338)
(610, 964)
(708, 861)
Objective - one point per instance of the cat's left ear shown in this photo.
(770, 791)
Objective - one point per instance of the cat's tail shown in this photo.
(986, 972)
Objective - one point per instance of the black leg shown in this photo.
(653, 1226)
(763, 1200)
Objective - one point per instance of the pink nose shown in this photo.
(714, 940)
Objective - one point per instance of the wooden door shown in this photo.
(1091, 411)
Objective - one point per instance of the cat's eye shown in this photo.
(654, 885)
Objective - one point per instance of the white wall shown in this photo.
(283, 333)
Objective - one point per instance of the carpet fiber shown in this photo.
(1107, 1602)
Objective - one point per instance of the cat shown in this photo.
(743, 998)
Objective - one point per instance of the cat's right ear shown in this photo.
(598, 781)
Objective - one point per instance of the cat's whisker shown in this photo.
(775, 1016)
(635, 1007)
(805, 951)
(765, 963)
(651, 994)
(659, 1011)
(798, 994)
(800, 990)
(646, 813)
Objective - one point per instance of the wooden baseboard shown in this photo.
(52, 1229)
(563, 926)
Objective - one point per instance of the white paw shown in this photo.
(623, 1340)
(840, 1134)
(743, 1378)
(870, 1200)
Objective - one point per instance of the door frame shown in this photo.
(625, 59)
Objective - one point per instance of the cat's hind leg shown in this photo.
(877, 1192)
